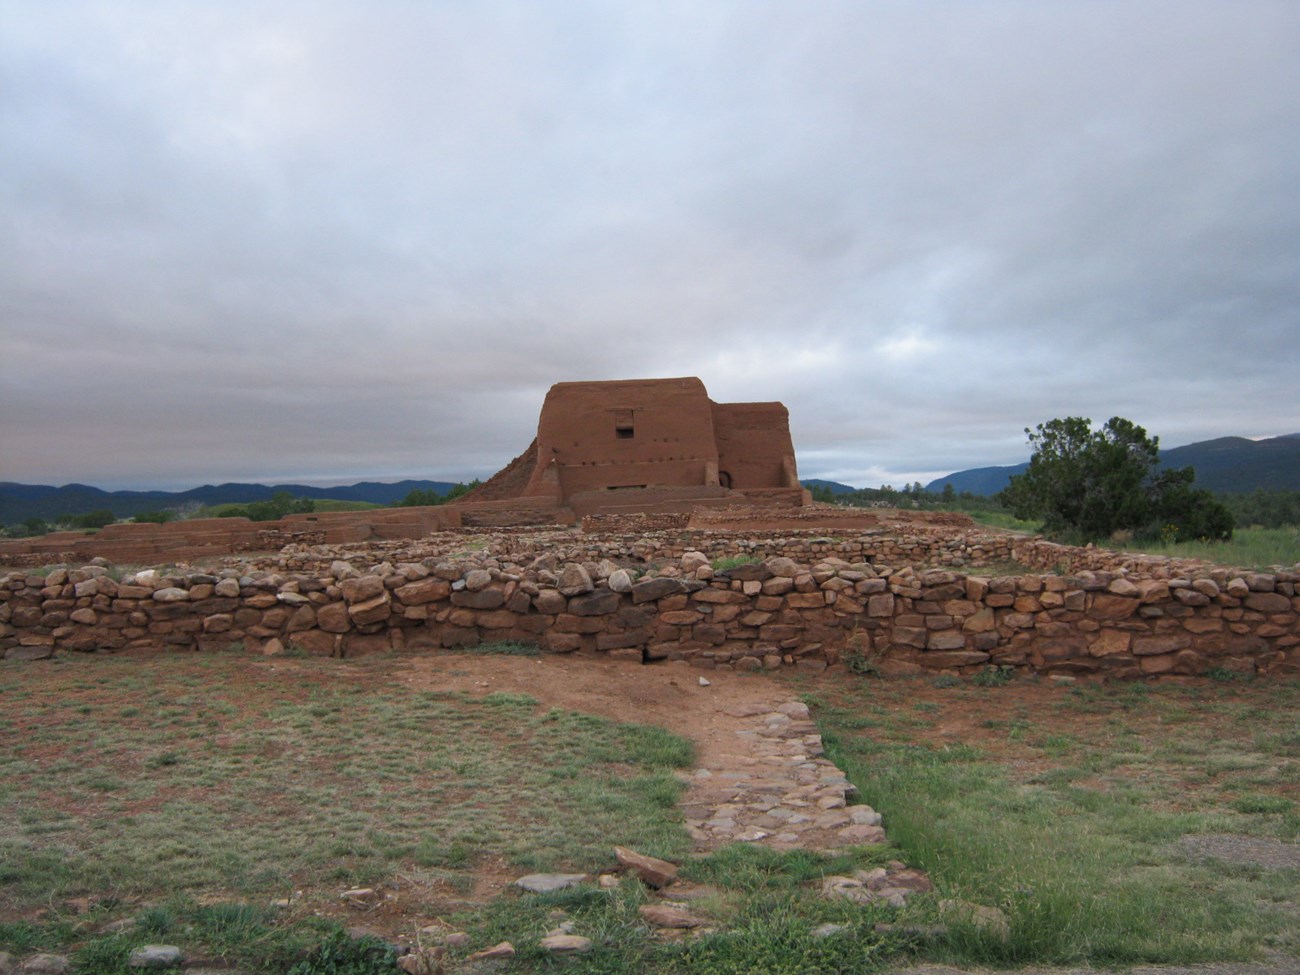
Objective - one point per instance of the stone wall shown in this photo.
(777, 612)
(896, 544)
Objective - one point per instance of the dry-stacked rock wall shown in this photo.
(781, 611)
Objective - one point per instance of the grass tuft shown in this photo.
(501, 648)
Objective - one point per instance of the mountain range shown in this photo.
(1232, 465)
(19, 502)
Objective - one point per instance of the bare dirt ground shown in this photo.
(668, 695)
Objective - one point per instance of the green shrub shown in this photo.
(857, 662)
(94, 519)
(994, 676)
(732, 562)
(339, 954)
(427, 497)
(1089, 484)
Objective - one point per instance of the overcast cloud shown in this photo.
(310, 241)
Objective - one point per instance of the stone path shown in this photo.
(768, 782)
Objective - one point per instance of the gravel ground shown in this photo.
(1231, 848)
(1275, 966)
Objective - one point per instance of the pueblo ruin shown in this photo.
(650, 445)
(656, 451)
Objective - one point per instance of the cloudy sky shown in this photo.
(341, 240)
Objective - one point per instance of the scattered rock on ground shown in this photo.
(45, 964)
(546, 883)
(424, 961)
(155, 956)
(652, 871)
(566, 944)
(503, 950)
(666, 916)
(989, 918)
(828, 930)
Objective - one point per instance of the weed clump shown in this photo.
(994, 676)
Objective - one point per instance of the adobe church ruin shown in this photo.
(650, 445)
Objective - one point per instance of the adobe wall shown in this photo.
(754, 445)
(669, 439)
(779, 612)
(596, 440)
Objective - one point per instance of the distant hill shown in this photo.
(1233, 465)
(18, 502)
(835, 487)
(978, 480)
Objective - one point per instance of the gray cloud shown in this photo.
(359, 240)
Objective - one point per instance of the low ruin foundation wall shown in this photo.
(150, 544)
(825, 609)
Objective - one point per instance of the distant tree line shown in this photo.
(90, 521)
(280, 504)
(1266, 509)
(427, 497)
(908, 496)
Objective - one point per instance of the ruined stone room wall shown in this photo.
(760, 615)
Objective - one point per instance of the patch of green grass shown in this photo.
(1006, 520)
(104, 956)
(501, 648)
(1081, 857)
(241, 934)
(762, 911)
(340, 954)
(1265, 805)
(1249, 548)
(732, 562)
(746, 867)
(300, 780)
(157, 921)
